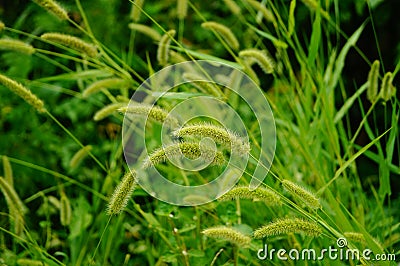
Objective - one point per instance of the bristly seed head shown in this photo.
(286, 226)
(228, 234)
(54, 8)
(122, 193)
(23, 92)
(259, 194)
(186, 149)
(72, 42)
(163, 47)
(225, 33)
(218, 134)
(309, 199)
(372, 91)
(17, 46)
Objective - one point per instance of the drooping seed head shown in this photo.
(181, 8)
(229, 234)
(225, 33)
(387, 89)
(110, 83)
(122, 194)
(218, 134)
(163, 47)
(266, 63)
(286, 226)
(186, 149)
(71, 42)
(107, 110)
(65, 210)
(13, 200)
(372, 91)
(152, 112)
(233, 7)
(308, 198)
(260, 7)
(356, 237)
(54, 8)
(17, 46)
(23, 92)
(136, 10)
(259, 194)
(79, 156)
(149, 31)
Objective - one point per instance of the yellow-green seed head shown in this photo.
(65, 210)
(152, 33)
(186, 149)
(79, 156)
(163, 47)
(286, 226)
(54, 8)
(259, 194)
(110, 83)
(266, 63)
(225, 33)
(122, 193)
(228, 234)
(23, 92)
(387, 89)
(218, 134)
(154, 113)
(17, 46)
(71, 42)
(8, 173)
(372, 91)
(308, 198)
(107, 110)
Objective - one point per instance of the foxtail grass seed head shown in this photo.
(79, 156)
(225, 33)
(228, 234)
(23, 92)
(259, 194)
(182, 8)
(163, 47)
(387, 89)
(218, 134)
(107, 110)
(203, 85)
(122, 193)
(8, 173)
(12, 198)
(259, 7)
(71, 42)
(17, 46)
(372, 91)
(308, 198)
(65, 210)
(2, 26)
(232, 6)
(110, 83)
(266, 63)
(287, 226)
(187, 149)
(54, 8)
(144, 29)
(153, 112)
(136, 10)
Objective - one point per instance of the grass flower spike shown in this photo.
(372, 91)
(302, 194)
(233, 7)
(23, 92)
(65, 210)
(136, 10)
(218, 134)
(17, 46)
(8, 174)
(54, 8)
(228, 234)
(107, 110)
(152, 33)
(72, 42)
(79, 156)
(187, 149)
(122, 193)
(226, 34)
(266, 63)
(286, 226)
(109, 83)
(163, 47)
(153, 112)
(387, 89)
(181, 8)
(259, 194)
